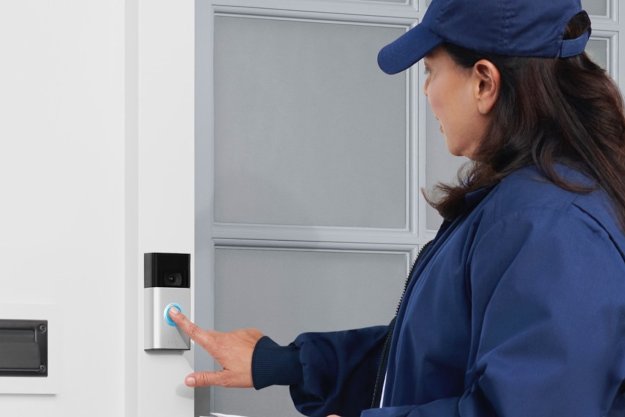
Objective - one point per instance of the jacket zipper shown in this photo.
(377, 392)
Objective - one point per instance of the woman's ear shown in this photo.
(488, 85)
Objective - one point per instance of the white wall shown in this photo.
(166, 170)
(82, 185)
(62, 190)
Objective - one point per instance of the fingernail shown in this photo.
(190, 381)
(173, 311)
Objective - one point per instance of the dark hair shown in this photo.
(561, 110)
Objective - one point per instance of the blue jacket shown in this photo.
(517, 309)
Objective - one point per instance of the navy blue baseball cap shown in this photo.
(525, 28)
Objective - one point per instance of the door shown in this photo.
(308, 164)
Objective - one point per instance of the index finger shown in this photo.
(196, 333)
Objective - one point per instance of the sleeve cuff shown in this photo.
(273, 364)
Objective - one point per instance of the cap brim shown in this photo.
(408, 49)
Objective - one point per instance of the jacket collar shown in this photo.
(473, 198)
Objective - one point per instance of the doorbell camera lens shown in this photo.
(173, 279)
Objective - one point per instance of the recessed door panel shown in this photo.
(286, 292)
(308, 131)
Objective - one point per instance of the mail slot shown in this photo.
(24, 348)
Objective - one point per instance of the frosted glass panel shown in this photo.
(598, 50)
(286, 292)
(596, 7)
(308, 130)
(440, 165)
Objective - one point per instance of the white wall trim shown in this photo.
(375, 10)
(324, 234)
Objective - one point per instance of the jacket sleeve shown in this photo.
(547, 295)
(328, 373)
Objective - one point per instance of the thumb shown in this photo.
(204, 379)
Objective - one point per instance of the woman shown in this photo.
(517, 308)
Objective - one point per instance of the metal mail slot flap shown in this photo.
(24, 348)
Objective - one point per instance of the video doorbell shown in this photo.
(167, 286)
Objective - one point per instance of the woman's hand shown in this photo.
(233, 351)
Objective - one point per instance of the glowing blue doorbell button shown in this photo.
(166, 313)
